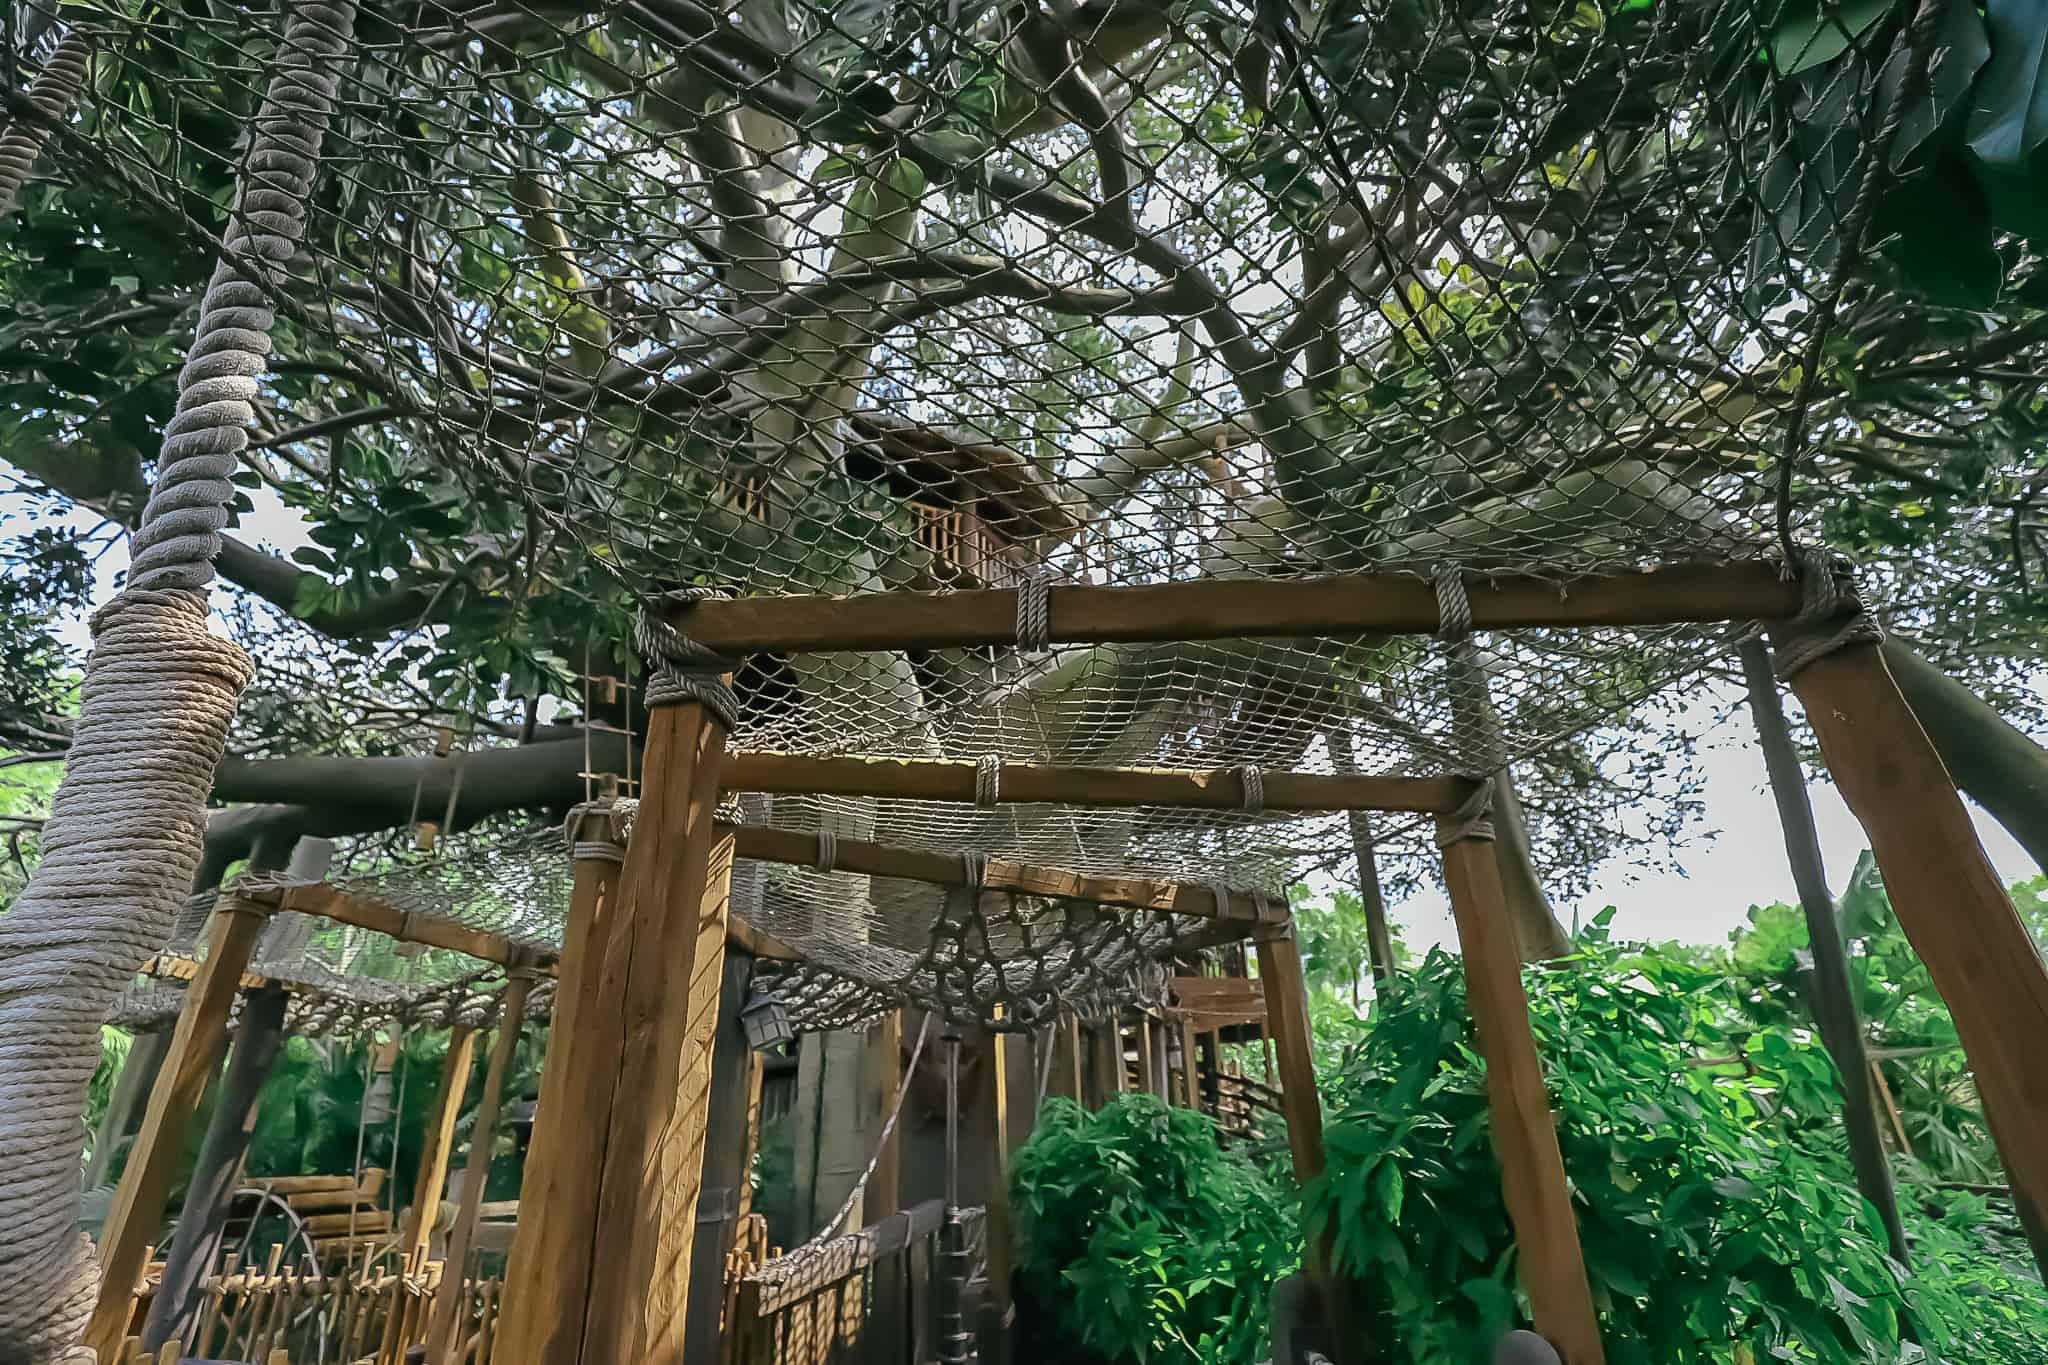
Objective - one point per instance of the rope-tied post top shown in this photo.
(1476, 734)
(610, 824)
(1472, 819)
(682, 669)
(1831, 614)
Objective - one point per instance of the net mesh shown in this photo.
(791, 297)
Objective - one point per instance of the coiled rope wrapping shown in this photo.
(124, 832)
(50, 98)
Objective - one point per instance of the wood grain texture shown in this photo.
(1238, 608)
(1286, 994)
(1950, 902)
(449, 1319)
(1524, 1133)
(1215, 789)
(994, 1097)
(662, 966)
(552, 1245)
(197, 1041)
(438, 1139)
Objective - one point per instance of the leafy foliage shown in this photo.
(1140, 1238)
(1719, 1220)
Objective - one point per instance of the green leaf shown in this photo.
(1813, 34)
(2010, 120)
(1961, 49)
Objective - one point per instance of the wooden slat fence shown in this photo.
(368, 1315)
(862, 1299)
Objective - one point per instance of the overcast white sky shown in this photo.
(1734, 860)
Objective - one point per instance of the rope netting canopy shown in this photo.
(954, 950)
(796, 297)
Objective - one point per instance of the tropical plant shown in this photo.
(1718, 1218)
(1141, 1239)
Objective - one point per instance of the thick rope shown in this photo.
(988, 779)
(828, 851)
(123, 838)
(50, 99)
(1471, 820)
(1475, 731)
(1254, 788)
(610, 850)
(1829, 617)
(684, 670)
(1034, 615)
(974, 868)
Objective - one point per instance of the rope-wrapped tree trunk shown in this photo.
(127, 822)
(50, 97)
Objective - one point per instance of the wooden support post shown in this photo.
(138, 1208)
(884, 1194)
(1147, 1079)
(1104, 1067)
(202, 1220)
(1209, 1078)
(1950, 902)
(994, 1099)
(631, 1106)
(550, 1244)
(451, 1316)
(1286, 995)
(1833, 990)
(735, 1086)
(125, 1106)
(432, 1176)
(1190, 1072)
(1552, 1266)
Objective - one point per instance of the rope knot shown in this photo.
(1254, 788)
(682, 669)
(1471, 820)
(1830, 617)
(1034, 614)
(988, 779)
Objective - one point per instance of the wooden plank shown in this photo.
(552, 1244)
(178, 967)
(799, 849)
(1950, 902)
(1190, 1069)
(1215, 789)
(1548, 1256)
(367, 912)
(994, 1099)
(137, 1211)
(444, 1337)
(438, 1139)
(734, 1072)
(1239, 608)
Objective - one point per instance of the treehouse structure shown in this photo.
(1067, 473)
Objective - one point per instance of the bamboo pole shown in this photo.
(1548, 1256)
(444, 1337)
(195, 1051)
(1384, 602)
(1949, 901)
(925, 779)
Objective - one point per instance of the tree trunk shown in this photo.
(1993, 763)
(1379, 943)
(1834, 1001)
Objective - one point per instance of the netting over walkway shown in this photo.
(784, 296)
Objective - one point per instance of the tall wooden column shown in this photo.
(195, 1051)
(728, 1150)
(601, 1275)
(431, 1178)
(1949, 901)
(994, 1100)
(1286, 993)
(1552, 1266)
(1066, 1059)
(444, 1337)
(550, 1243)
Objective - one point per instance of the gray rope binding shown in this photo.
(828, 851)
(50, 99)
(1831, 616)
(973, 869)
(611, 849)
(1034, 615)
(684, 670)
(1254, 788)
(1473, 819)
(988, 779)
(125, 828)
(1473, 728)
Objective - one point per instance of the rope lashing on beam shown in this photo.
(611, 849)
(988, 779)
(1221, 891)
(1473, 819)
(1254, 788)
(123, 838)
(50, 99)
(1831, 615)
(1034, 614)
(828, 851)
(1476, 731)
(682, 669)
(974, 868)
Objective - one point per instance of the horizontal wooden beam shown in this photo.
(923, 779)
(767, 844)
(367, 912)
(1386, 602)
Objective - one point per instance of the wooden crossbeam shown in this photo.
(1389, 602)
(771, 845)
(1216, 789)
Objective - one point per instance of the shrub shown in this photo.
(1140, 1238)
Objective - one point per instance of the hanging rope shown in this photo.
(838, 1220)
(123, 838)
(50, 98)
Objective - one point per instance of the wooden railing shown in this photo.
(862, 1299)
(1239, 1105)
(370, 1315)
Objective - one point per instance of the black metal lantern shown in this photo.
(766, 1021)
